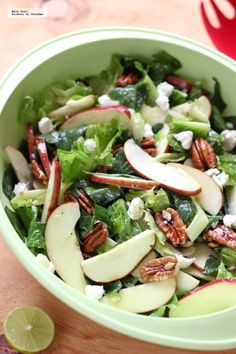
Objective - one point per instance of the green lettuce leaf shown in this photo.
(149, 220)
(84, 224)
(103, 195)
(227, 163)
(122, 225)
(178, 97)
(16, 223)
(120, 164)
(217, 121)
(28, 198)
(223, 272)
(64, 139)
(228, 256)
(217, 99)
(216, 140)
(161, 311)
(27, 214)
(184, 205)
(35, 239)
(8, 182)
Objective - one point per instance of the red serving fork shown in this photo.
(224, 37)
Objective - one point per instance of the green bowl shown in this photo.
(88, 52)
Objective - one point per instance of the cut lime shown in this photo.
(28, 329)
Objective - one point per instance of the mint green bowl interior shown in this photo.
(77, 55)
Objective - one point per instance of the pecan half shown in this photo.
(84, 201)
(68, 197)
(127, 79)
(149, 146)
(203, 154)
(159, 269)
(172, 225)
(38, 173)
(221, 235)
(94, 238)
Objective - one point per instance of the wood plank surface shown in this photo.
(75, 333)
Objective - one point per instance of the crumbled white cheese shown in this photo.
(183, 262)
(90, 144)
(20, 187)
(229, 125)
(94, 292)
(148, 133)
(166, 215)
(185, 138)
(45, 125)
(70, 102)
(212, 172)
(229, 142)
(136, 208)
(106, 101)
(164, 90)
(229, 220)
(41, 258)
(221, 179)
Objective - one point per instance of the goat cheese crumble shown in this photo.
(106, 101)
(221, 178)
(229, 220)
(229, 142)
(20, 187)
(94, 292)
(90, 144)
(45, 125)
(148, 133)
(136, 208)
(185, 138)
(164, 90)
(41, 258)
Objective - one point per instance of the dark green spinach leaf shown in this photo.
(217, 99)
(9, 181)
(64, 139)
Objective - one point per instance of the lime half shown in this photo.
(28, 329)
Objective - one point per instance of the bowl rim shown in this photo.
(56, 286)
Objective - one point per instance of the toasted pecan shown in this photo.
(203, 154)
(159, 269)
(170, 222)
(84, 201)
(94, 238)
(221, 235)
(149, 146)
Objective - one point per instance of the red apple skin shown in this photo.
(30, 140)
(124, 182)
(42, 149)
(179, 82)
(211, 283)
(56, 189)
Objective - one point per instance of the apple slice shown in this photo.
(201, 254)
(72, 107)
(136, 272)
(30, 140)
(99, 115)
(217, 295)
(201, 109)
(162, 140)
(62, 245)
(120, 260)
(43, 154)
(168, 176)
(186, 282)
(134, 183)
(142, 298)
(189, 162)
(53, 190)
(231, 198)
(20, 165)
(196, 273)
(210, 198)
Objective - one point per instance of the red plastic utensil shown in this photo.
(224, 37)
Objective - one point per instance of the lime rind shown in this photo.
(28, 329)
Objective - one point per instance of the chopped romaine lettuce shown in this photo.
(178, 97)
(216, 140)
(137, 126)
(148, 218)
(198, 128)
(171, 157)
(228, 256)
(35, 238)
(16, 223)
(28, 198)
(223, 272)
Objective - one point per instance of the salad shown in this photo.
(124, 186)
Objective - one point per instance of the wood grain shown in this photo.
(75, 333)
